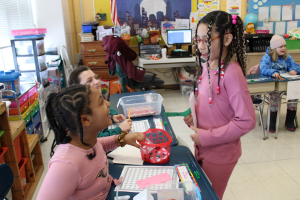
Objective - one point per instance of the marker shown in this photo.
(129, 113)
(251, 80)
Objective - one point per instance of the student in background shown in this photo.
(276, 61)
(79, 166)
(224, 108)
(83, 75)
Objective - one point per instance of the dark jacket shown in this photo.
(118, 51)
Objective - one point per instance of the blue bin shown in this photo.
(86, 29)
(11, 81)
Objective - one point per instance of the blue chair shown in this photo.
(6, 181)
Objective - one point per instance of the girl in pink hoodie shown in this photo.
(224, 108)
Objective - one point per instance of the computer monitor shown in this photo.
(179, 36)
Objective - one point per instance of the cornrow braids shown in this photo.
(64, 109)
(222, 23)
(208, 56)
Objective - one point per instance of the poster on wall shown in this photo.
(165, 26)
(150, 13)
(206, 6)
(234, 7)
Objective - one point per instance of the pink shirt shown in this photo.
(230, 116)
(71, 175)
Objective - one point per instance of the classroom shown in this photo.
(149, 99)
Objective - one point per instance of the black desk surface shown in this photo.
(114, 99)
(179, 155)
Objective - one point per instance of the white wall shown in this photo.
(54, 15)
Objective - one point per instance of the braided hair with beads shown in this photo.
(64, 110)
(223, 23)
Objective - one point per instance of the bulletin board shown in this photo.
(252, 4)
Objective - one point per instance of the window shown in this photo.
(14, 14)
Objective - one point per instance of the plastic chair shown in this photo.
(6, 180)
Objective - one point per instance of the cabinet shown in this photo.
(30, 59)
(29, 170)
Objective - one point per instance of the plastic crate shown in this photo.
(186, 88)
(15, 111)
(23, 172)
(21, 100)
(11, 80)
(32, 31)
(34, 98)
(87, 29)
(142, 105)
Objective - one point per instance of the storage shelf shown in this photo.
(32, 140)
(2, 107)
(16, 128)
(30, 188)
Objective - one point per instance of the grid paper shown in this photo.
(137, 126)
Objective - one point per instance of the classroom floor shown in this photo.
(267, 169)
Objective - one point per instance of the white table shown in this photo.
(167, 63)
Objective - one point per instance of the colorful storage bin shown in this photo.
(27, 119)
(34, 98)
(30, 128)
(22, 170)
(15, 111)
(39, 130)
(36, 119)
(23, 116)
(21, 100)
(32, 92)
(2, 152)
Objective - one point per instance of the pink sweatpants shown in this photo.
(218, 175)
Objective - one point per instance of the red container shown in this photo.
(34, 98)
(157, 146)
(32, 31)
(23, 172)
(262, 31)
(2, 152)
(17, 145)
(14, 111)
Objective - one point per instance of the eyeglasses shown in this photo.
(197, 40)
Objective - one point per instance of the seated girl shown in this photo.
(83, 75)
(276, 61)
(79, 166)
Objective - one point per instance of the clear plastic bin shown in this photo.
(177, 190)
(141, 105)
(44, 77)
(186, 88)
(25, 47)
(27, 63)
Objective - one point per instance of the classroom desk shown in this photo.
(167, 63)
(179, 154)
(114, 99)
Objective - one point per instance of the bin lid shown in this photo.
(90, 23)
(9, 76)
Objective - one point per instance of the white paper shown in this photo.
(293, 90)
(234, 7)
(185, 176)
(280, 28)
(182, 23)
(287, 75)
(143, 195)
(193, 15)
(263, 13)
(287, 13)
(297, 12)
(268, 26)
(275, 13)
(291, 25)
(193, 108)
(129, 155)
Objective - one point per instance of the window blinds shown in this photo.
(14, 14)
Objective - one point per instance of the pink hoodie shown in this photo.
(230, 116)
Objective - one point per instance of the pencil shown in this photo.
(281, 78)
(129, 113)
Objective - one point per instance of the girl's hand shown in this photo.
(195, 137)
(189, 120)
(126, 125)
(131, 138)
(293, 72)
(276, 75)
(118, 118)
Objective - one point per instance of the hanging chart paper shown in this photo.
(268, 26)
(205, 7)
(234, 7)
(263, 13)
(291, 25)
(275, 13)
(297, 12)
(287, 13)
(280, 28)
